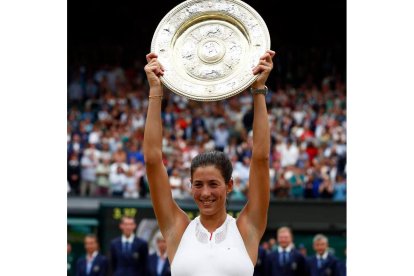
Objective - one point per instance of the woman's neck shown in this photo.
(211, 223)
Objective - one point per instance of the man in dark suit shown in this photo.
(322, 263)
(93, 264)
(129, 254)
(286, 260)
(158, 264)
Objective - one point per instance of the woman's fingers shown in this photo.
(150, 56)
(260, 68)
(268, 56)
(154, 68)
(272, 53)
(265, 62)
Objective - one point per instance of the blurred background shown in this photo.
(107, 102)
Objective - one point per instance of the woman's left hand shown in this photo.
(263, 69)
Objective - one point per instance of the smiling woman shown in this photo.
(214, 243)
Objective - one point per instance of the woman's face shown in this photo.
(209, 190)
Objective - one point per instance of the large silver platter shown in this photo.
(209, 47)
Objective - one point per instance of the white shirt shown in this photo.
(290, 155)
(160, 262)
(88, 172)
(221, 137)
(324, 256)
(287, 249)
(130, 239)
(89, 260)
(117, 181)
(242, 171)
(222, 252)
(91, 257)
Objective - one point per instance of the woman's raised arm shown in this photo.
(253, 218)
(169, 216)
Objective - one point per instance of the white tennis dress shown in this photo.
(221, 253)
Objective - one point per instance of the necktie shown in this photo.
(88, 266)
(319, 262)
(126, 247)
(286, 257)
(283, 258)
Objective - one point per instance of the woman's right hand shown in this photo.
(153, 70)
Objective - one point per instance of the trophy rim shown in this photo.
(171, 85)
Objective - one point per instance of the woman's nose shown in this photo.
(205, 191)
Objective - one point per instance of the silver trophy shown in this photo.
(209, 47)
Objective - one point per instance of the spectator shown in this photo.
(119, 155)
(129, 254)
(265, 245)
(302, 250)
(75, 91)
(297, 182)
(221, 136)
(118, 181)
(282, 187)
(239, 191)
(75, 145)
(135, 153)
(158, 264)
(322, 263)
(326, 189)
(95, 135)
(88, 173)
(102, 176)
(92, 150)
(340, 188)
(131, 185)
(74, 174)
(105, 152)
(272, 244)
(93, 263)
(309, 179)
(286, 260)
(241, 170)
(176, 183)
(289, 154)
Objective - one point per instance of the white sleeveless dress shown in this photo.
(221, 253)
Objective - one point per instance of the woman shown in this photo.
(213, 243)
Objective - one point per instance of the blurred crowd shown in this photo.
(105, 125)
(132, 255)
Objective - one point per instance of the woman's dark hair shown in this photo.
(213, 158)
